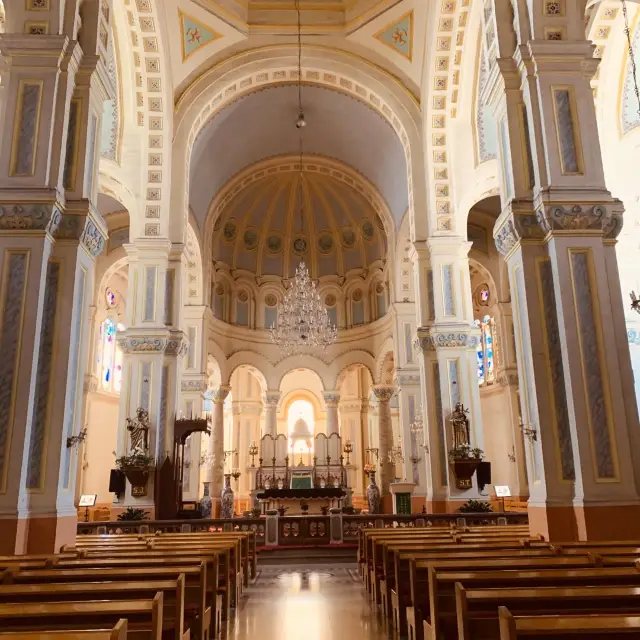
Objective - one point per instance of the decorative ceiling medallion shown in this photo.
(300, 245)
(330, 300)
(399, 35)
(366, 228)
(357, 295)
(274, 244)
(270, 300)
(348, 237)
(251, 238)
(194, 35)
(326, 243)
(230, 230)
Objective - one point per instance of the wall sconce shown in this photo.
(73, 441)
(529, 431)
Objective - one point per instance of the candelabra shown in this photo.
(72, 441)
(635, 302)
(253, 452)
(417, 431)
(230, 454)
(348, 449)
(235, 473)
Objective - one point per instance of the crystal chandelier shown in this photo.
(303, 321)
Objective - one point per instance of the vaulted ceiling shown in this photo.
(262, 125)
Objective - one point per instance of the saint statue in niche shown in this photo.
(460, 422)
(138, 429)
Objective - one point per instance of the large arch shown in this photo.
(277, 65)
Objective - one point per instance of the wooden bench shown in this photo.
(119, 632)
(200, 584)
(442, 584)
(477, 609)
(144, 616)
(173, 592)
(592, 627)
(420, 595)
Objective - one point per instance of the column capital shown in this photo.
(435, 338)
(219, 395)
(383, 392)
(147, 341)
(525, 220)
(331, 398)
(271, 397)
(406, 379)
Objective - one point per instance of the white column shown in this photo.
(271, 399)
(331, 400)
(216, 445)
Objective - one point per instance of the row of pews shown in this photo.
(134, 587)
(497, 582)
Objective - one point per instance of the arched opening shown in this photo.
(301, 429)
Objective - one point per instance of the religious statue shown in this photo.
(138, 429)
(460, 422)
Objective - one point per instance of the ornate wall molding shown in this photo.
(193, 386)
(430, 339)
(30, 217)
(408, 379)
(171, 343)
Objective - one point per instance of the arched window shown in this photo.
(109, 357)
(300, 423)
(486, 373)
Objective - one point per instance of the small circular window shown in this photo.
(483, 295)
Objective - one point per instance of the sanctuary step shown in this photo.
(325, 554)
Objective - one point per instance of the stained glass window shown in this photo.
(109, 357)
(110, 298)
(485, 353)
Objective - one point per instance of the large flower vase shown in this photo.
(205, 503)
(226, 504)
(373, 494)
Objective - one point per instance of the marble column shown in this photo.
(216, 446)
(557, 231)
(271, 400)
(331, 400)
(410, 394)
(50, 235)
(386, 471)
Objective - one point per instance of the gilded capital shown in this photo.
(219, 395)
(331, 398)
(383, 392)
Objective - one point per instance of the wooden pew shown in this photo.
(442, 584)
(119, 632)
(477, 610)
(590, 627)
(173, 592)
(144, 616)
(200, 584)
(420, 597)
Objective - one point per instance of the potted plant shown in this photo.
(304, 507)
(464, 461)
(136, 467)
(133, 514)
(324, 510)
(282, 511)
(475, 506)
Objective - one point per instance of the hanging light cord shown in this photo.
(301, 121)
(632, 57)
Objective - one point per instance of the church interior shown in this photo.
(319, 310)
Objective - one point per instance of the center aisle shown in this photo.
(307, 602)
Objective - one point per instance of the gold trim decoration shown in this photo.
(24, 146)
(194, 35)
(398, 35)
(565, 115)
(595, 374)
(73, 144)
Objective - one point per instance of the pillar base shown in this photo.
(590, 522)
(44, 534)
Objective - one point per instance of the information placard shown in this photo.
(502, 491)
(87, 500)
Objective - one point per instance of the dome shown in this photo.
(261, 229)
(300, 429)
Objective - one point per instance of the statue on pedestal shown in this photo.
(138, 429)
(460, 422)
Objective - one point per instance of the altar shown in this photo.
(301, 474)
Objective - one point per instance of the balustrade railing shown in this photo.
(303, 530)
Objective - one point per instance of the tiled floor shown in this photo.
(307, 602)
